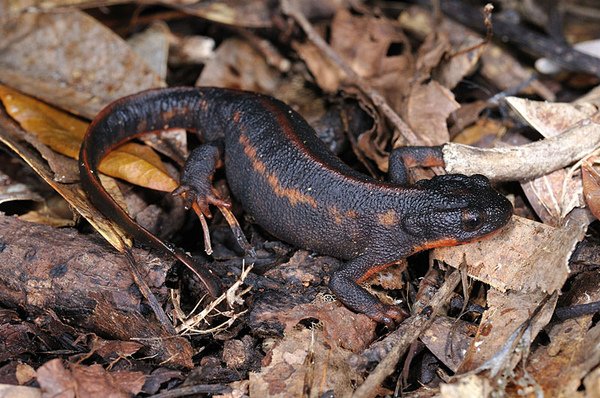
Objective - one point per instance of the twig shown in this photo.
(516, 163)
(192, 390)
(352, 78)
(231, 296)
(147, 293)
(406, 333)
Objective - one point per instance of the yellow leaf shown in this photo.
(137, 164)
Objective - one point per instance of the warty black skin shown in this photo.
(296, 189)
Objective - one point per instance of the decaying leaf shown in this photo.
(525, 255)
(554, 195)
(448, 339)
(550, 118)
(238, 65)
(508, 315)
(63, 133)
(497, 64)
(87, 381)
(73, 61)
(427, 109)
(152, 45)
(574, 348)
(300, 362)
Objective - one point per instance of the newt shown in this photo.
(295, 188)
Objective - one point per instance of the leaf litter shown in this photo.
(417, 77)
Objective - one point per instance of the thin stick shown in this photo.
(352, 78)
(408, 332)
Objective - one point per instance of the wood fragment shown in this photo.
(406, 333)
(525, 162)
(352, 78)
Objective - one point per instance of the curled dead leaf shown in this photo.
(63, 133)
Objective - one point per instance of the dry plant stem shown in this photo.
(147, 293)
(406, 333)
(522, 37)
(271, 54)
(525, 162)
(193, 390)
(351, 77)
(189, 325)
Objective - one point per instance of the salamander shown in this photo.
(294, 187)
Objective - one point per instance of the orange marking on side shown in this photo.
(375, 269)
(452, 242)
(388, 219)
(437, 243)
(335, 214)
(352, 213)
(293, 195)
(236, 116)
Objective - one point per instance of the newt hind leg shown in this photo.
(345, 285)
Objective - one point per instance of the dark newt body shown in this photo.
(296, 189)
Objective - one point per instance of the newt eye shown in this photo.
(472, 219)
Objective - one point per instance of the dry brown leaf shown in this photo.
(25, 373)
(328, 76)
(10, 391)
(112, 349)
(555, 195)
(252, 13)
(238, 65)
(448, 339)
(507, 312)
(525, 255)
(461, 50)
(70, 60)
(592, 384)
(497, 64)
(363, 41)
(12, 8)
(63, 133)
(550, 118)
(482, 128)
(341, 326)
(20, 142)
(11, 190)
(87, 381)
(152, 45)
(470, 385)
(243, 13)
(591, 184)
(303, 360)
(54, 211)
(574, 348)
(427, 108)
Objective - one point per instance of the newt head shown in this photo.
(453, 209)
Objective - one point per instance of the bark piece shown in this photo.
(85, 283)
